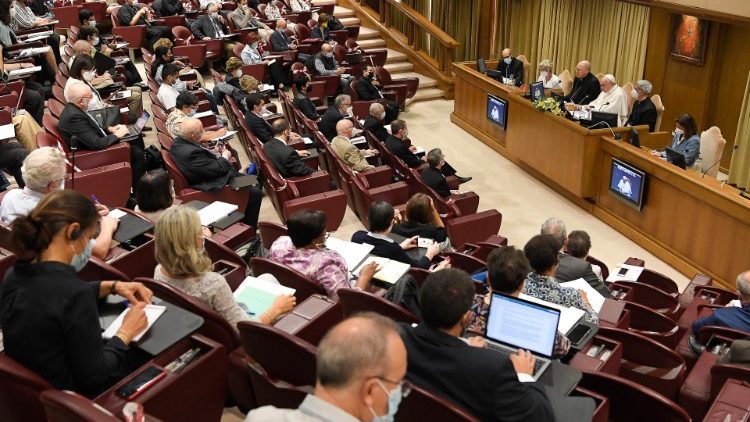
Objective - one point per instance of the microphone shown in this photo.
(615, 135)
(73, 148)
(582, 100)
(709, 169)
(603, 105)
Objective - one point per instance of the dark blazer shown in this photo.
(584, 90)
(285, 159)
(168, 7)
(402, 151)
(201, 167)
(259, 126)
(39, 7)
(306, 106)
(126, 14)
(435, 179)
(51, 326)
(279, 41)
(321, 33)
(376, 127)
(481, 381)
(412, 228)
(366, 90)
(390, 250)
(204, 27)
(327, 123)
(571, 268)
(515, 68)
(644, 113)
(74, 121)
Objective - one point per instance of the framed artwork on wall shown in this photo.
(688, 39)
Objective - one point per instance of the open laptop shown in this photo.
(514, 323)
(136, 128)
(675, 157)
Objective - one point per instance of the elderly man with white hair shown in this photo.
(43, 172)
(735, 315)
(644, 110)
(585, 85)
(342, 145)
(611, 99)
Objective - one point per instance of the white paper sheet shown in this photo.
(153, 312)
(215, 212)
(390, 270)
(353, 253)
(595, 298)
(632, 274)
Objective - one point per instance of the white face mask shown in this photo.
(238, 73)
(678, 131)
(350, 110)
(214, 15)
(96, 41)
(92, 23)
(634, 94)
(382, 116)
(543, 74)
(89, 75)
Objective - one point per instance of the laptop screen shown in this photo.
(521, 324)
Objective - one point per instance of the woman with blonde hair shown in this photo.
(185, 265)
(551, 81)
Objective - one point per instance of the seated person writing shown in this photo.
(736, 316)
(321, 30)
(184, 264)
(374, 122)
(206, 171)
(342, 145)
(49, 316)
(186, 106)
(368, 89)
(551, 81)
(685, 140)
(256, 106)
(644, 110)
(285, 159)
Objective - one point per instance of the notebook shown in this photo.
(215, 211)
(595, 298)
(353, 253)
(153, 313)
(256, 295)
(390, 270)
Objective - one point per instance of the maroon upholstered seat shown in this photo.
(19, 392)
(355, 301)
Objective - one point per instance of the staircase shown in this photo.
(396, 64)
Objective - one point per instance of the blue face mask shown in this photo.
(80, 260)
(394, 400)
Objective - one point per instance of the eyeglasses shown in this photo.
(404, 384)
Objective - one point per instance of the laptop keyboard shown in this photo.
(537, 363)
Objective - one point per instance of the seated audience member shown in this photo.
(33, 93)
(542, 252)
(168, 92)
(397, 143)
(326, 65)
(163, 55)
(342, 106)
(300, 5)
(579, 245)
(368, 89)
(510, 68)
(83, 48)
(551, 81)
(375, 120)
(342, 145)
(381, 218)
(248, 86)
(436, 171)
(285, 159)
(685, 139)
(74, 121)
(207, 172)
(490, 385)
(211, 26)
(24, 19)
(302, 100)
(422, 220)
(8, 27)
(570, 267)
(168, 7)
(280, 41)
(731, 316)
(131, 14)
(186, 106)
(507, 268)
(321, 30)
(49, 316)
(251, 54)
(184, 264)
(272, 12)
(243, 18)
(644, 110)
(611, 99)
(154, 194)
(86, 18)
(90, 34)
(585, 85)
(304, 250)
(234, 72)
(360, 365)
(260, 127)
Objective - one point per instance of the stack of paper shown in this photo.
(153, 312)
(33, 51)
(203, 114)
(390, 270)
(631, 273)
(595, 298)
(117, 214)
(256, 295)
(7, 131)
(215, 212)
(569, 317)
(358, 140)
(353, 253)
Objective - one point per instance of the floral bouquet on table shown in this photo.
(549, 104)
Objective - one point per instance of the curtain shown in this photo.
(460, 20)
(608, 33)
(739, 169)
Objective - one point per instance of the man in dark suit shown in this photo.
(207, 172)
(131, 14)
(257, 124)
(168, 7)
(644, 110)
(736, 316)
(569, 267)
(321, 30)
(212, 26)
(279, 39)
(488, 384)
(374, 122)
(585, 86)
(368, 89)
(433, 175)
(341, 107)
(285, 159)
(301, 99)
(75, 121)
(510, 67)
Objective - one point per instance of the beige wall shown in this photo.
(733, 7)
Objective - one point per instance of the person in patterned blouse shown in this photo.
(541, 251)
(507, 268)
(304, 250)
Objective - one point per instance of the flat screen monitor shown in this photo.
(497, 110)
(635, 138)
(537, 90)
(481, 65)
(600, 116)
(628, 183)
(676, 157)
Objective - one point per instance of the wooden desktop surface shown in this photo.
(693, 223)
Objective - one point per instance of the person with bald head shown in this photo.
(611, 99)
(326, 65)
(510, 68)
(585, 85)
(209, 171)
(76, 122)
(342, 145)
(375, 121)
(279, 40)
(360, 365)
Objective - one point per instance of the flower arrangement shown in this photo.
(549, 105)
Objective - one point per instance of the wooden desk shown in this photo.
(692, 223)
